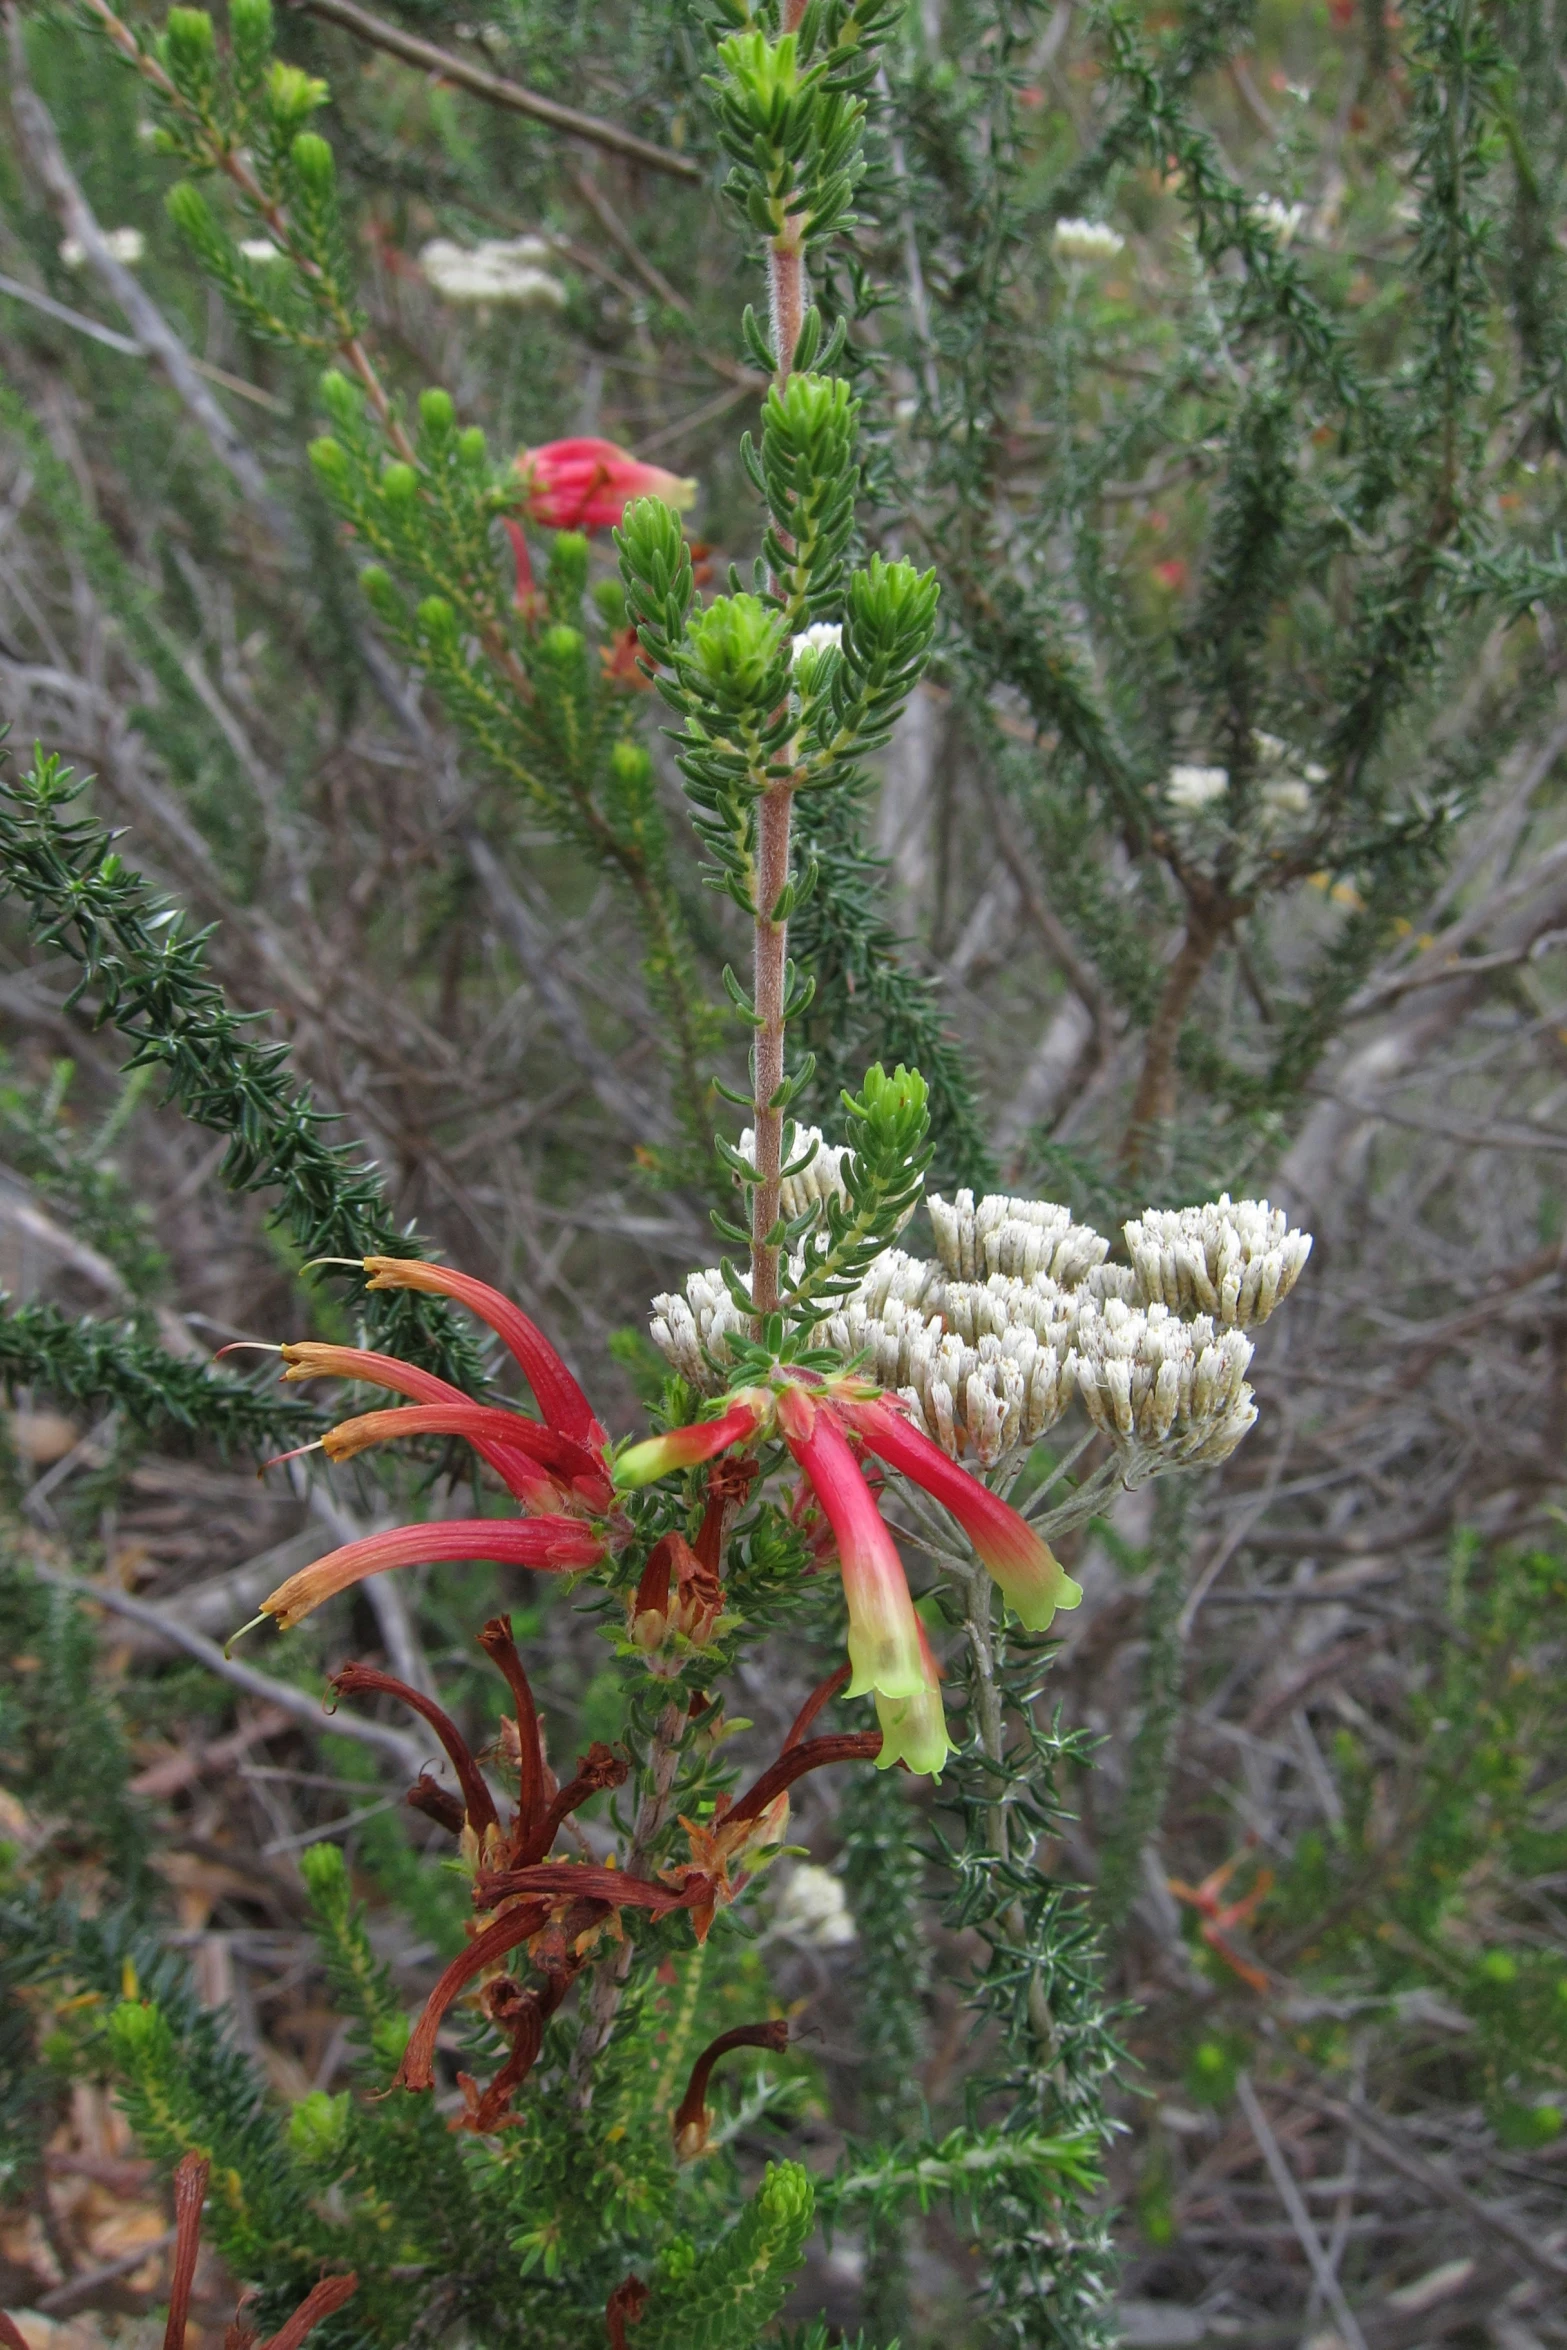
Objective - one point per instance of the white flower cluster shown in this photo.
(689, 1329)
(501, 270)
(1168, 1393)
(126, 245)
(1234, 1259)
(823, 636)
(988, 1344)
(1285, 799)
(814, 1909)
(1279, 219)
(1193, 788)
(1017, 1236)
(821, 1180)
(1086, 240)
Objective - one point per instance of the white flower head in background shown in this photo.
(1279, 219)
(126, 245)
(823, 636)
(1086, 240)
(813, 1908)
(506, 272)
(1286, 799)
(260, 249)
(1192, 789)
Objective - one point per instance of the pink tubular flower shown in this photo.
(557, 1545)
(886, 1648)
(1032, 1581)
(684, 1448)
(586, 485)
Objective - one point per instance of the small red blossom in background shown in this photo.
(1172, 574)
(587, 485)
(1218, 1918)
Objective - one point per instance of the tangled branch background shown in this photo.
(914, 649)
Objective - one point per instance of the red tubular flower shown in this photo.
(503, 1436)
(884, 1632)
(1032, 1581)
(307, 1359)
(555, 1545)
(559, 1398)
(586, 484)
(683, 1448)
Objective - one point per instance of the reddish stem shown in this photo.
(770, 958)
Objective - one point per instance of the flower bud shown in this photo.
(330, 460)
(439, 623)
(437, 415)
(342, 399)
(735, 643)
(292, 96)
(314, 166)
(400, 487)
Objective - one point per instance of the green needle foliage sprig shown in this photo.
(537, 681)
(148, 979)
(782, 687)
(89, 1362)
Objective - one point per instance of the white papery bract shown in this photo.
(1020, 1236)
(1168, 1393)
(1234, 1259)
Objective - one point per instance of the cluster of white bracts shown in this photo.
(988, 1345)
(821, 1180)
(1168, 1393)
(1232, 1259)
(1017, 1236)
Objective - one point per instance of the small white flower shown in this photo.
(1272, 749)
(1289, 796)
(1313, 773)
(813, 1908)
(1192, 788)
(1086, 240)
(1280, 220)
(823, 636)
(260, 249)
(126, 245)
(507, 271)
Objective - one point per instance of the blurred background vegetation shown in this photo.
(1263, 481)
